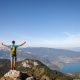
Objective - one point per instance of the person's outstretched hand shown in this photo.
(24, 42)
(2, 43)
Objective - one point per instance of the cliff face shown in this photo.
(29, 70)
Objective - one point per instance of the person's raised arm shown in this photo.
(22, 44)
(5, 45)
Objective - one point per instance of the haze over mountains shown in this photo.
(75, 49)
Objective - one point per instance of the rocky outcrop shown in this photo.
(36, 71)
(13, 74)
(16, 75)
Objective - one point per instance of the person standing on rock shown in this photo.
(13, 54)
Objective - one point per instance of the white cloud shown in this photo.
(70, 40)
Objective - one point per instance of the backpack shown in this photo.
(13, 50)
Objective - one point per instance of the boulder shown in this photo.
(13, 74)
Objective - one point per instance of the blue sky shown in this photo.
(42, 23)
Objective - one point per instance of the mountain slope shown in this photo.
(49, 56)
(33, 68)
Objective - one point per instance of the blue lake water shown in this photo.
(72, 67)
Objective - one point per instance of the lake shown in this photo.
(71, 67)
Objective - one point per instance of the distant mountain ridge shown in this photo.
(40, 51)
(75, 49)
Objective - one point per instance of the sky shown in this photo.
(41, 23)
